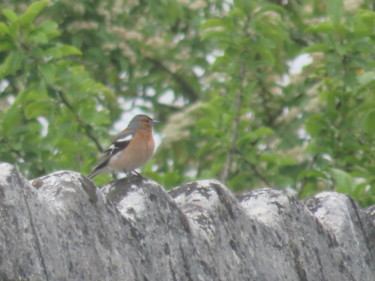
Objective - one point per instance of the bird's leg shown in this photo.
(135, 172)
(131, 173)
(138, 174)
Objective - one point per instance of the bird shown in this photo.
(131, 149)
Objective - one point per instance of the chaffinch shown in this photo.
(131, 149)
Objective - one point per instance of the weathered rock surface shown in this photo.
(62, 227)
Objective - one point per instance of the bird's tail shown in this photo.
(94, 173)
(101, 168)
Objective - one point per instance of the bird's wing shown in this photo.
(120, 143)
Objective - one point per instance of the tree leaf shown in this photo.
(62, 51)
(335, 10)
(6, 46)
(68, 50)
(243, 5)
(12, 63)
(10, 119)
(32, 11)
(3, 28)
(221, 61)
(343, 181)
(49, 29)
(315, 124)
(37, 109)
(39, 38)
(369, 121)
(268, 7)
(215, 22)
(324, 27)
(48, 70)
(311, 173)
(235, 12)
(53, 52)
(317, 48)
(216, 34)
(366, 78)
(263, 131)
(10, 15)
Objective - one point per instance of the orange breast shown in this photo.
(135, 155)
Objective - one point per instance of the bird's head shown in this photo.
(142, 121)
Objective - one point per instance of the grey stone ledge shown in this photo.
(62, 227)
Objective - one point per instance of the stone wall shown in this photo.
(62, 227)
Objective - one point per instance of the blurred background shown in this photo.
(253, 93)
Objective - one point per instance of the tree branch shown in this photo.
(228, 162)
(304, 180)
(254, 168)
(85, 127)
(184, 85)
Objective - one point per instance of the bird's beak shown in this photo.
(154, 122)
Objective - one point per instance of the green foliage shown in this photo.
(235, 112)
(45, 84)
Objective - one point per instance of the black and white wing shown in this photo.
(119, 144)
